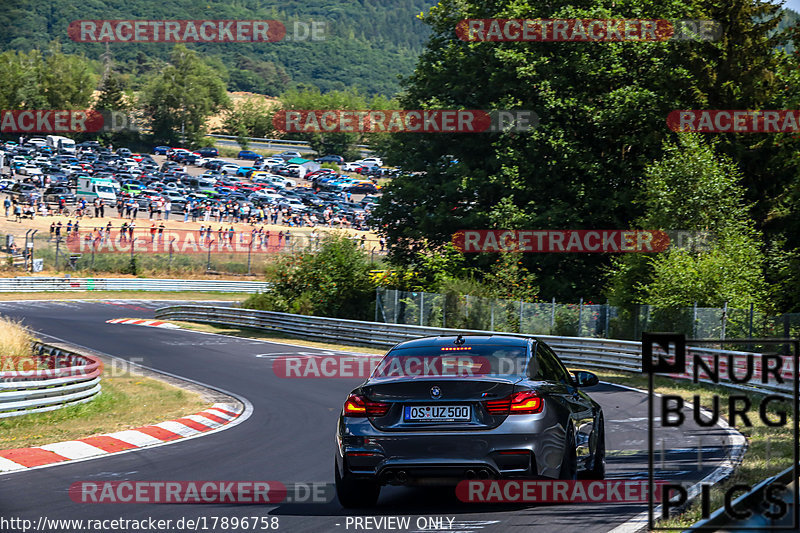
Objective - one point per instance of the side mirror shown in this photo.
(584, 378)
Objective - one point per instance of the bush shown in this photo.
(333, 282)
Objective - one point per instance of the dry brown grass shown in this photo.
(15, 346)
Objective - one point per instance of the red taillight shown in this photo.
(359, 406)
(498, 407)
(520, 403)
(526, 402)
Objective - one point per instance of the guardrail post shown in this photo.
(694, 320)
(421, 307)
(520, 315)
(377, 302)
(395, 306)
(580, 316)
(724, 319)
(553, 315)
(491, 315)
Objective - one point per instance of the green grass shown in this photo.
(125, 402)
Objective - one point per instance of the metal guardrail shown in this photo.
(754, 499)
(68, 379)
(43, 284)
(607, 354)
(290, 142)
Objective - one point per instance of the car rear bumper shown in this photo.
(525, 446)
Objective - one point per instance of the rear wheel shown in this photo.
(599, 460)
(569, 464)
(355, 493)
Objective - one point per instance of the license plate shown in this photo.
(437, 413)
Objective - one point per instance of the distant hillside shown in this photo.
(368, 42)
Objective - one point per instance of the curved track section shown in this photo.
(289, 437)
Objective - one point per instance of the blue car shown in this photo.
(243, 171)
(248, 154)
(160, 150)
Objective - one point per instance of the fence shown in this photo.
(599, 353)
(576, 320)
(177, 251)
(67, 379)
(37, 284)
(279, 142)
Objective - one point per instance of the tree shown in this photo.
(692, 188)
(45, 80)
(601, 108)
(178, 100)
(311, 98)
(333, 282)
(249, 118)
(112, 94)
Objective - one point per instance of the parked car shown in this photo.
(361, 188)
(330, 159)
(248, 154)
(208, 151)
(161, 150)
(289, 154)
(56, 193)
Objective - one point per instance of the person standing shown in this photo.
(7, 205)
(102, 209)
(167, 209)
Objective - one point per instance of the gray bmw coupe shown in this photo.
(439, 410)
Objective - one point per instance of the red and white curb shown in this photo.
(142, 322)
(212, 418)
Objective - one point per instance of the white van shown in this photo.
(91, 188)
(60, 144)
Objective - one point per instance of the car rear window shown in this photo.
(465, 361)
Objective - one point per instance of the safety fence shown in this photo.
(43, 284)
(58, 378)
(607, 354)
(582, 319)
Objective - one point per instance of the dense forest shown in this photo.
(368, 43)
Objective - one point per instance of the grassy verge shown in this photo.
(125, 402)
(270, 336)
(122, 295)
(770, 449)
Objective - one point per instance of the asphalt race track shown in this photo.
(289, 437)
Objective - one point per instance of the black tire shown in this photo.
(598, 470)
(355, 493)
(569, 464)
